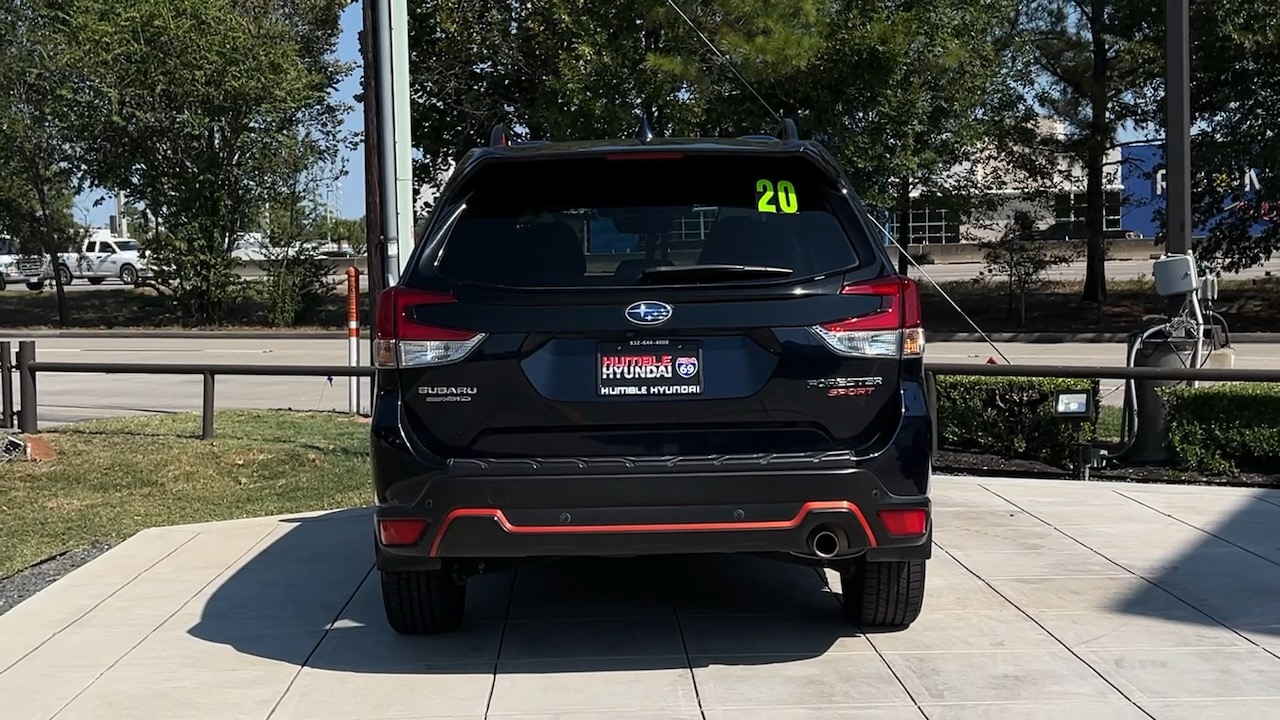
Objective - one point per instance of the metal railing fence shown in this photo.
(28, 368)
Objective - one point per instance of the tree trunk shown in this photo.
(1095, 273)
(51, 248)
(1095, 277)
(64, 316)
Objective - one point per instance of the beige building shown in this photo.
(1058, 199)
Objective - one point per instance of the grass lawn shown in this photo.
(1247, 306)
(112, 478)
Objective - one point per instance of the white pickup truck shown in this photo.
(101, 258)
(17, 267)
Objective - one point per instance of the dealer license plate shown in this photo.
(649, 368)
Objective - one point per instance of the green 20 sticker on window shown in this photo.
(779, 197)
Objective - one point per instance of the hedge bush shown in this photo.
(1225, 428)
(1009, 417)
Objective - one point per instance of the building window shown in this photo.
(929, 225)
(1073, 207)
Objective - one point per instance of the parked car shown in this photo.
(101, 258)
(17, 267)
(249, 248)
(759, 390)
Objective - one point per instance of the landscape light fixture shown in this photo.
(1077, 406)
(1074, 405)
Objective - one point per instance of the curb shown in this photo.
(341, 334)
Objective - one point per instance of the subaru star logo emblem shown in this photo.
(648, 312)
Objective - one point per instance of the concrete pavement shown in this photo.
(66, 397)
(1045, 600)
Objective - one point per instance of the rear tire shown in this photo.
(129, 275)
(64, 275)
(424, 602)
(885, 595)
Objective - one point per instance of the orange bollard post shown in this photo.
(353, 337)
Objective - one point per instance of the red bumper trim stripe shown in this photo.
(497, 516)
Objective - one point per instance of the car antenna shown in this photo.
(645, 133)
(787, 132)
(724, 60)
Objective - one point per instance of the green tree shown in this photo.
(925, 96)
(39, 163)
(1235, 96)
(572, 69)
(349, 232)
(194, 108)
(903, 92)
(1096, 80)
(297, 280)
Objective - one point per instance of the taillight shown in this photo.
(400, 341)
(894, 330)
(401, 531)
(904, 522)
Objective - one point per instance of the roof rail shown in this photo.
(499, 136)
(787, 130)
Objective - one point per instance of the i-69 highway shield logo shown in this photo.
(687, 367)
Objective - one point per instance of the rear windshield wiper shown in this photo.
(707, 273)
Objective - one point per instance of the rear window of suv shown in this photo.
(605, 221)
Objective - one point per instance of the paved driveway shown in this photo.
(1046, 600)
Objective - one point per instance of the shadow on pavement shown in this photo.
(312, 597)
(1231, 575)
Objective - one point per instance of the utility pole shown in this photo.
(1177, 141)
(374, 247)
(122, 224)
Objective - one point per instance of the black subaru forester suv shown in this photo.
(644, 347)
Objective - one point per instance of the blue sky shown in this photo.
(349, 201)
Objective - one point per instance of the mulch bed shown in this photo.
(26, 583)
(981, 465)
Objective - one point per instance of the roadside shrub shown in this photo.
(1008, 417)
(1225, 428)
(296, 286)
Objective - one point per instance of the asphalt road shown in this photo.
(67, 397)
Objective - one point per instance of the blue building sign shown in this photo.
(1144, 190)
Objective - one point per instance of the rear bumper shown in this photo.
(489, 516)
(493, 509)
(478, 532)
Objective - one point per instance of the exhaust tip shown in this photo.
(824, 544)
